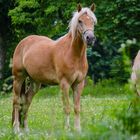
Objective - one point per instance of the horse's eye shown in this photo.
(80, 21)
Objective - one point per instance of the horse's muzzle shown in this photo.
(89, 37)
(91, 40)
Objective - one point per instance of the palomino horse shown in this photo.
(135, 76)
(62, 62)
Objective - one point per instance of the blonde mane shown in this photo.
(74, 20)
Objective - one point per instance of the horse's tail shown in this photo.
(22, 89)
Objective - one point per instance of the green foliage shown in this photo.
(106, 87)
(100, 89)
(6, 37)
(89, 81)
(40, 17)
(129, 118)
(121, 66)
(7, 85)
(118, 21)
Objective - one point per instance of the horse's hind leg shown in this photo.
(17, 85)
(26, 101)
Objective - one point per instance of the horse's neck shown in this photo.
(74, 47)
(78, 47)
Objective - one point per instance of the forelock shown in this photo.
(76, 15)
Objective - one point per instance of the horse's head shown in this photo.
(85, 24)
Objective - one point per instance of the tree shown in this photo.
(41, 17)
(5, 33)
(117, 22)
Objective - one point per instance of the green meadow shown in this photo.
(101, 107)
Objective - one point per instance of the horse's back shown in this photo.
(30, 41)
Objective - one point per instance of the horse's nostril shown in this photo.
(90, 39)
(87, 38)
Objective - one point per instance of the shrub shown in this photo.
(7, 85)
(128, 118)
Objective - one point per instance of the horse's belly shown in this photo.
(39, 66)
(45, 79)
(50, 78)
(43, 76)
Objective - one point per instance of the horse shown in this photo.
(60, 62)
(135, 75)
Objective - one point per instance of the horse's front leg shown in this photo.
(64, 85)
(77, 90)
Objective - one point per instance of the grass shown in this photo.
(99, 105)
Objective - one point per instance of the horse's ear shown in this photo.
(79, 7)
(92, 7)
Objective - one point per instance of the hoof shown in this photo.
(77, 129)
(26, 130)
(16, 130)
(67, 127)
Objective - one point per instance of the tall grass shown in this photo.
(100, 105)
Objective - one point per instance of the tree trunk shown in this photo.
(1, 58)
